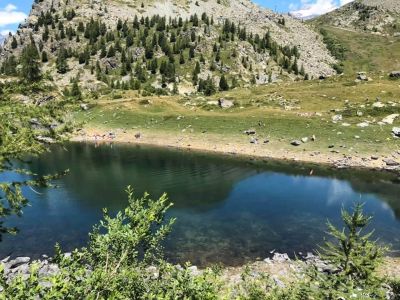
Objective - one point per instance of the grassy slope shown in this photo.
(263, 108)
(368, 52)
(259, 108)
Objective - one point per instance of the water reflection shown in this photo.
(227, 211)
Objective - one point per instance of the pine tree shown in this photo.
(44, 57)
(223, 83)
(111, 52)
(61, 62)
(175, 89)
(75, 91)
(30, 66)
(181, 58)
(14, 43)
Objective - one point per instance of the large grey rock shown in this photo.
(254, 140)
(390, 119)
(337, 118)
(395, 74)
(391, 163)
(396, 131)
(223, 103)
(84, 106)
(362, 76)
(18, 261)
(295, 143)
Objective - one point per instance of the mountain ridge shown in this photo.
(313, 56)
(377, 17)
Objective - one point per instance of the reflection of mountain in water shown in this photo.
(98, 176)
(228, 210)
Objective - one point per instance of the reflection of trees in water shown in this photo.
(214, 222)
(387, 191)
(99, 175)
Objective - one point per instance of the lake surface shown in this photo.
(228, 211)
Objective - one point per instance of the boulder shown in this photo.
(391, 163)
(295, 143)
(223, 103)
(254, 140)
(337, 118)
(362, 76)
(378, 105)
(390, 119)
(394, 74)
(304, 140)
(396, 131)
(363, 124)
(84, 106)
(280, 257)
(250, 132)
(18, 261)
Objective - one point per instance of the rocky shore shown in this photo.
(267, 150)
(279, 266)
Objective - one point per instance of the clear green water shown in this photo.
(227, 211)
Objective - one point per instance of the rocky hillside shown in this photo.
(172, 45)
(381, 17)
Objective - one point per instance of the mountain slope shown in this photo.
(381, 17)
(113, 42)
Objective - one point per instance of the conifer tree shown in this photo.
(181, 58)
(61, 62)
(44, 57)
(30, 66)
(14, 43)
(223, 83)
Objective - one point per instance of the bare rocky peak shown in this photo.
(314, 55)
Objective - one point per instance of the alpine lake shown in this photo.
(228, 210)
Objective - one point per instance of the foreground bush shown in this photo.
(123, 260)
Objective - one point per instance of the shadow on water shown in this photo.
(228, 210)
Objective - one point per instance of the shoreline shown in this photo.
(231, 147)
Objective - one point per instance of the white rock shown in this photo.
(378, 105)
(363, 124)
(390, 119)
(337, 118)
(396, 131)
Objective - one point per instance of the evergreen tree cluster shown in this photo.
(149, 49)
